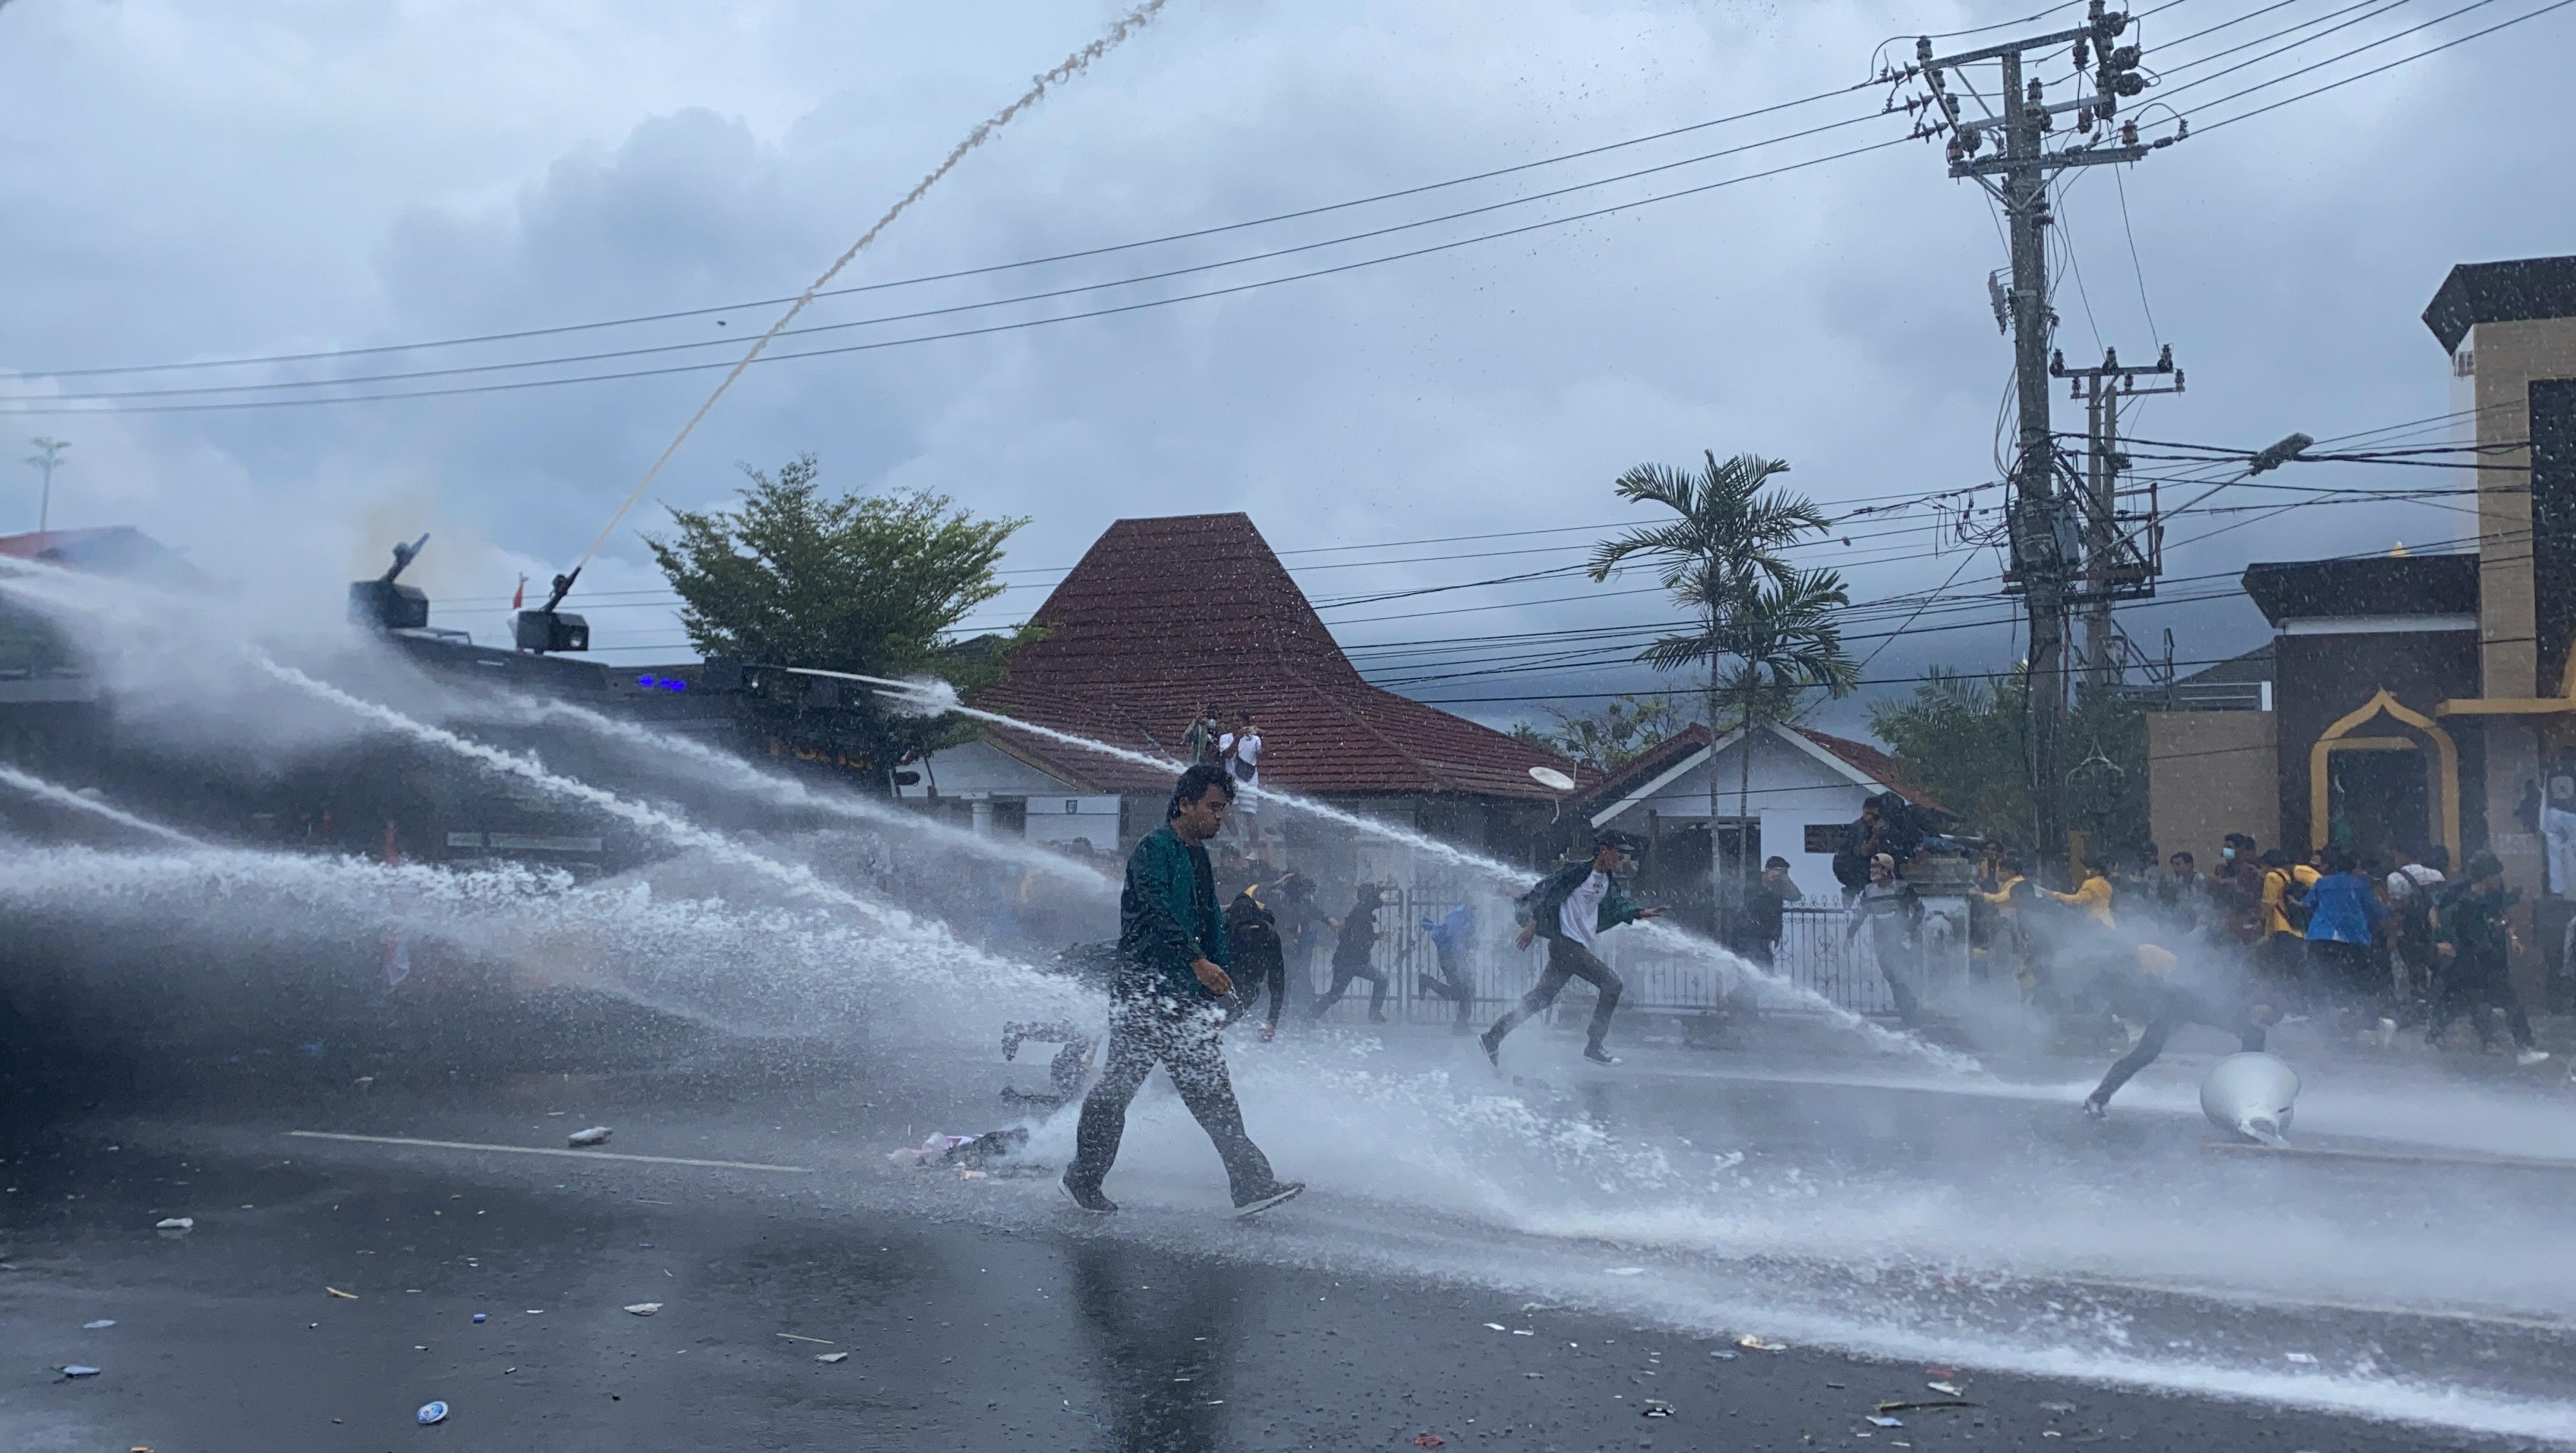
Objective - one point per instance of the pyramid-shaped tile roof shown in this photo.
(1163, 615)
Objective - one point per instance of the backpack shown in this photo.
(2294, 903)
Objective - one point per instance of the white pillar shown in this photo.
(983, 819)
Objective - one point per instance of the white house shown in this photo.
(1802, 790)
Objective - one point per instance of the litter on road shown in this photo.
(645, 1309)
(431, 1413)
(1924, 1405)
(1758, 1345)
(831, 1357)
(595, 1135)
(176, 1223)
(94, 1326)
(1627, 1271)
(1951, 1388)
(817, 1341)
(74, 1369)
(1429, 1440)
(344, 1296)
(1657, 1408)
(1881, 1420)
(480, 1318)
(1493, 1326)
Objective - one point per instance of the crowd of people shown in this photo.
(2366, 946)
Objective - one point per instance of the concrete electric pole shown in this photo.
(2046, 531)
(2123, 537)
(48, 453)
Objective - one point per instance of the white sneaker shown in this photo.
(2530, 1057)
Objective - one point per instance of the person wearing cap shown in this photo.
(1892, 913)
(2149, 994)
(1571, 908)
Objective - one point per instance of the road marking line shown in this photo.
(549, 1150)
(2466, 1159)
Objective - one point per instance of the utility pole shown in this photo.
(2123, 537)
(48, 453)
(2045, 524)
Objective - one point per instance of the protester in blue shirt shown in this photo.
(2343, 911)
(1451, 936)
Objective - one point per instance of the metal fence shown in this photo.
(1812, 954)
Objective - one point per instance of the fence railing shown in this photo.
(1811, 954)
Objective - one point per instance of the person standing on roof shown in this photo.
(1240, 750)
(1571, 908)
(1200, 743)
(1166, 1004)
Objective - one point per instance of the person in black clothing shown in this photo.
(1165, 1005)
(1766, 910)
(1260, 962)
(2145, 991)
(2473, 943)
(1358, 932)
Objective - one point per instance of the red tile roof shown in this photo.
(1164, 615)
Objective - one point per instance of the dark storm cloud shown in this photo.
(292, 179)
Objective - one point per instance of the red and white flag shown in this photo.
(519, 597)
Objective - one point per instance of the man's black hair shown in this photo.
(2437, 857)
(1774, 861)
(2185, 855)
(1194, 784)
(2336, 857)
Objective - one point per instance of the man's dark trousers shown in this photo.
(1147, 1026)
(1566, 959)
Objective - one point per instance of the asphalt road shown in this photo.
(975, 1315)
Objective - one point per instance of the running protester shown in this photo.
(2148, 994)
(1167, 1004)
(1259, 963)
(1571, 908)
(1358, 932)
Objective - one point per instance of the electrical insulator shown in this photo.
(2035, 92)
(1973, 140)
(2083, 55)
(2126, 58)
(2128, 83)
(2084, 119)
(2128, 133)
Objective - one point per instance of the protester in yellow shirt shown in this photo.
(2093, 895)
(2285, 943)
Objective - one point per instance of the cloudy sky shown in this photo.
(189, 184)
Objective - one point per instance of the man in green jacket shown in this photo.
(1167, 1003)
(1571, 908)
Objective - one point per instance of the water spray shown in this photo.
(787, 792)
(943, 699)
(53, 792)
(1063, 71)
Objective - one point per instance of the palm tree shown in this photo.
(1767, 630)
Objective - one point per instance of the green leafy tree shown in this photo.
(1610, 737)
(1966, 739)
(867, 584)
(1765, 630)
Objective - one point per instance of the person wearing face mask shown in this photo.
(2236, 890)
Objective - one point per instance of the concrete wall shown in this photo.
(2210, 773)
(1792, 790)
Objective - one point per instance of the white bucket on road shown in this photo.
(2250, 1094)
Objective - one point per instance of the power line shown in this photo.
(2373, 71)
(1009, 327)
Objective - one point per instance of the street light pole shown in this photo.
(48, 453)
